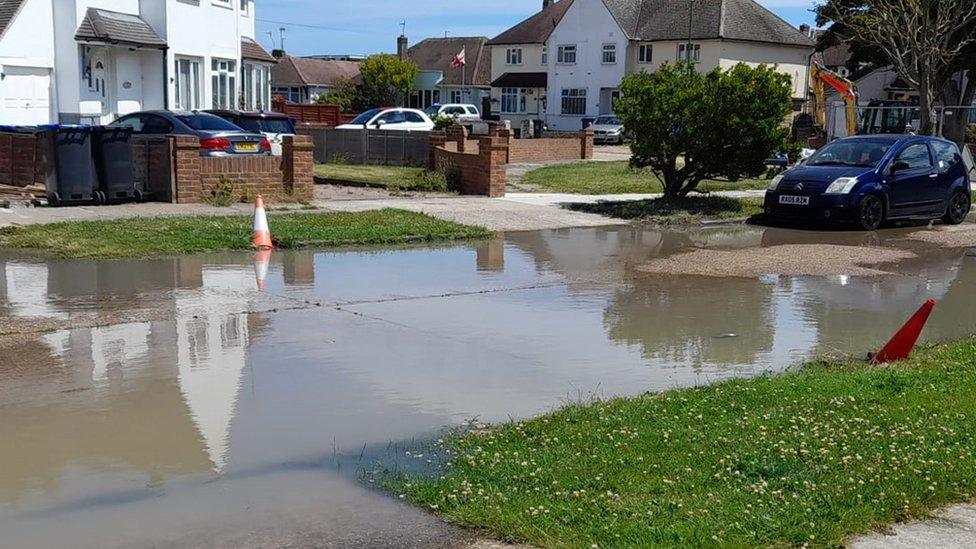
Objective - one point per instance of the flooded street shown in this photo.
(193, 409)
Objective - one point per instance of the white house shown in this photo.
(599, 42)
(519, 65)
(91, 61)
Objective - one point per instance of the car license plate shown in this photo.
(795, 200)
(246, 147)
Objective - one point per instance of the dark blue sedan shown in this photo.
(868, 180)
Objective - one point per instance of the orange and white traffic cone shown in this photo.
(262, 234)
(261, 261)
(900, 347)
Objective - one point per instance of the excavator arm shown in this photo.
(821, 78)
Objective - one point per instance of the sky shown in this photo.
(316, 27)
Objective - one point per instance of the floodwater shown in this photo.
(234, 416)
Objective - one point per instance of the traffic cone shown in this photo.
(900, 346)
(261, 261)
(262, 234)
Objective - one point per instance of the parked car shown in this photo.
(608, 129)
(274, 125)
(460, 111)
(868, 180)
(391, 119)
(218, 137)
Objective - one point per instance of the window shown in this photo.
(566, 55)
(223, 72)
(245, 5)
(413, 117)
(946, 155)
(513, 56)
(144, 124)
(574, 101)
(545, 56)
(609, 54)
(188, 84)
(455, 96)
(916, 156)
(689, 52)
(472, 111)
(645, 53)
(256, 87)
(513, 100)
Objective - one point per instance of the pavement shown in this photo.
(558, 199)
(951, 528)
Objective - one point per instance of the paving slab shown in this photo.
(954, 527)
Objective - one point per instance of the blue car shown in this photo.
(868, 180)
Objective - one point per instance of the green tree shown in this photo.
(386, 81)
(688, 127)
(927, 42)
(341, 92)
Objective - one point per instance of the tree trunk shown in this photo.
(926, 101)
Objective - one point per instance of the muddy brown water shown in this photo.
(238, 417)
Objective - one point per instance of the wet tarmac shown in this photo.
(186, 407)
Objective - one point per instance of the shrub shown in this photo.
(442, 122)
(222, 195)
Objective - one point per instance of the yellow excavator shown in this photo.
(879, 116)
(821, 77)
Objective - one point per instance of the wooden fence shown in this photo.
(329, 115)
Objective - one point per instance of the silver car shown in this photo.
(607, 129)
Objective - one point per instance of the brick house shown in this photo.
(438, 82)
(305, 79)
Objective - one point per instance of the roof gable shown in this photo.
(435, 54)
(711, 19)
(250, 49)
(117, 28)
(8, 12)
(537, 28)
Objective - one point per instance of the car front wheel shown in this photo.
(959, 206)
(871, 213)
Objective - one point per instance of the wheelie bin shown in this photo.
(112, 153)
(69, 170)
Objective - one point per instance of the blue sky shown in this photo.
(371, 26)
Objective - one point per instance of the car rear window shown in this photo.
(207, 123)
(268, 125)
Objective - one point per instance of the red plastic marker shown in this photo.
(900, 346)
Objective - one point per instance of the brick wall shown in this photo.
(478, 173)
(551, 148)
(288, 178)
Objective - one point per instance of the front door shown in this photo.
(26, 96)
(607, 98)
(912, 189)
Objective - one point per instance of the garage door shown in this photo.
(26, 95)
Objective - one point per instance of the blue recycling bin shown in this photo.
(69, 169)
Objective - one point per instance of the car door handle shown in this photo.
(933, 176)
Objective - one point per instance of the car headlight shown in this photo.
(842, 185)
(775, 182)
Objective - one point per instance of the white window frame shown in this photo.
(223, 78)
(545, 55)
(695, 51)
(256, 86)
(608, 55)
(456, 96)
(645, 53)
(513, 56)
(514, 100)
(562, 54)
(245, 7)
(576, 98)
(193, 83)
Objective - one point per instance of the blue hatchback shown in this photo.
(868, 180)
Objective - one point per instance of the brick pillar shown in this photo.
(458, 134)
(493, 153)
(586, 145)
(187, 164)
(298, 167)
(437, 138)
(505, 135)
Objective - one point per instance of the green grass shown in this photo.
(398, 177)
(692, 209)
(146, 237)
(807, 457)
(615, 178)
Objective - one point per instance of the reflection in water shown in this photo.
(200, 421)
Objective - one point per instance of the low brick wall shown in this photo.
(551, 148)
(288, 178)
(477, 172)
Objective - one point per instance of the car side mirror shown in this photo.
(899, 167)
(380, 123)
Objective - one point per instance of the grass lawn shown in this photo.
(691, 209)
(145, 237)
(807, 457)
(398, 177)
(615, 178)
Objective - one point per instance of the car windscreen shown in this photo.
(607, 121)
(860, 153)
(432, 110)
(207, 123)
(366, 116)
(268, 125)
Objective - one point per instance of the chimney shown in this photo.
(402, 46)
(546, 3)
(277, 54)
(805, 29)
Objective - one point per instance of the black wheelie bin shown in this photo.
(112, 153)
(69, 170)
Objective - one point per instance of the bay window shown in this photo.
(574, 101)
(188, 84)
(256, 87)
(513, 100)
(223, 79)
